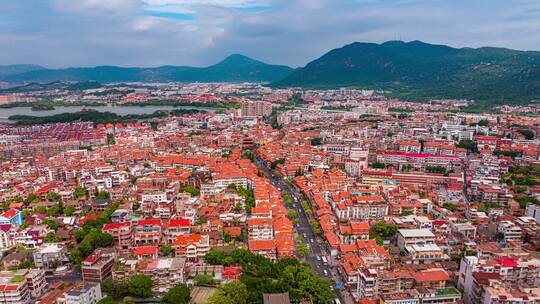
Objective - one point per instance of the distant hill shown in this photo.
(14, 69)
(418, 70)
(235, 68)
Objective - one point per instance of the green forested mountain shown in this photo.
(235, 68)
(418, 70)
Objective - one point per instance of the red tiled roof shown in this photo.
(146, 250)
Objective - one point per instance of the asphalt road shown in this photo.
(317, 245)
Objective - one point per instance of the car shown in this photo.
(304, 234)
(318, 258)
(325, 273)
(312, 240)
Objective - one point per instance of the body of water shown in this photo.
(119, 110)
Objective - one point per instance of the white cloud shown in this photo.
(122, 32)
(97, 6)
(191, 6)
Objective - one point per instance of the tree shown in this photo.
(276, 163)
(528, 134)
(378, 165)
(53, 197)
(100, 239)
(483, 123)
(191, 190)
(292, 214)
(215, 257)
(107, 300)
(467, 144)
(315, 226)
(302, 250)
(234, 292)
(80, 192)
(41, 209)
(316, 141)
(204, 279)
(166, 250)
(180, 294)
(406, 167)
(110, 139)
(56, 210)
(52, 224)
(450, 206)
(382, 230)
(51, 238)
(407, 213)
(140, 285)
(102, 195)
(115, 289)
(32, 198)
(436, 169)
(69, 210)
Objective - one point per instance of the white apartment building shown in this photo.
(509, 231)
(86, 294)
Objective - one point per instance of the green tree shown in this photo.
(234, 292)
(102, 195)
(276, 163)
(140, 286)
(166, 250)
(52, 224)
(204, 279)
(51, 238)
(382, 230)
(107, 300)
(302, 250)
(191, 190)
(80, 192)
(180, 294)
(407, 213)
(56, 210)
(467, 144)
(41, 209)
(528, 134)
(292, 213)
(436, 169)
(378, 165)
(316, 141)
(32, 198)
(115, 289)
(315, 226)
(53, 197)
(69, 210)
(450, 206)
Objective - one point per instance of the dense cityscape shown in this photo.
(241, 193)
(269, 152)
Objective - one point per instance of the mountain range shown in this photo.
(410, 70)
(235, 68)
(418, 70)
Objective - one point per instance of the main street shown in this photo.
(316, 244)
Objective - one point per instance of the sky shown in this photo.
(64, 33)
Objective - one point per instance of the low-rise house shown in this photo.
(50, 255)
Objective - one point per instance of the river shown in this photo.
(119, 110)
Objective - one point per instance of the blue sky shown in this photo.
(61, 33)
